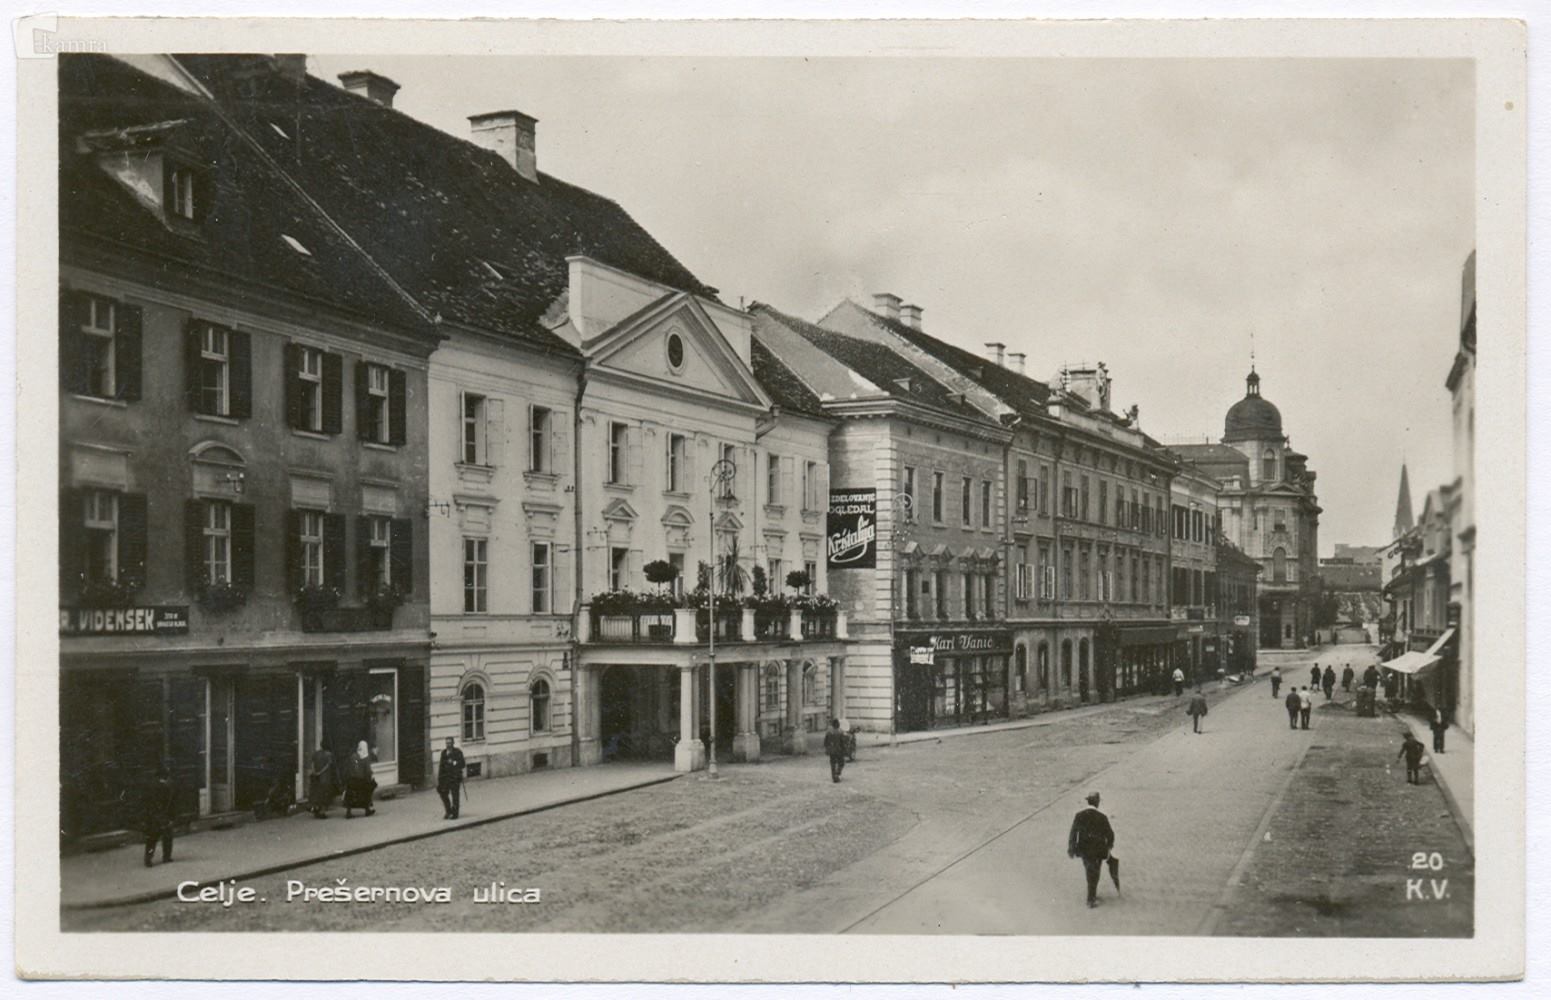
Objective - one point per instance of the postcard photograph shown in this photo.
(913, 491)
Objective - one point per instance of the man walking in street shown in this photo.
(158, 804)
(1294, 703)
(1276, 681)
(1371, 677)
(1330, 682)
(449, 779)
(1196, 711)
(1179, 682)
(1091, 839)
(1347, 676)
(1305, 706)
(1411, 750)
(835, 749)
(1314, 676)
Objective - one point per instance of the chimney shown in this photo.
(1015, 361)
(291, 66)
(510, 135)
(886, 304)
(997, 352)
(910, 315)
(372, 86)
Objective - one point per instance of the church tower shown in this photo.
(1404, 522)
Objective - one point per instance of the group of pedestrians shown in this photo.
(354, 775)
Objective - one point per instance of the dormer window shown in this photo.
(183, 189)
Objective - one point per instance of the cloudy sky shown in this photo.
(1151, 214)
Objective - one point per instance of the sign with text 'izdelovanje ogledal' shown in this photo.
(853, 528)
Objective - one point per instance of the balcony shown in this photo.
(690, 626)
(370, 618)
(633, 626)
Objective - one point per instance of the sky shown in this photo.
(1164, 216)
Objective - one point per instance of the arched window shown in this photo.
(1020, 668)
(810, 683)
(1066, 663)
(1279, 566)
(538, 705)
(1042, 666)
(1268, 465)
(473, 711)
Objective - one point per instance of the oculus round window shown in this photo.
(675, 351)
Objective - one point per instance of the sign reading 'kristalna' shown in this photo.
(853, 528)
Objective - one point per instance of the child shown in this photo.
(1411, 750)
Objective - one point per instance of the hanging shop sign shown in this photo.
(161, 620)
(949, 644)
(1241, 621)
(923, 654)
(852, 526)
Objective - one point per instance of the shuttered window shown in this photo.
(99, 346)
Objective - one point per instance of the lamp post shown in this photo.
(722, 475)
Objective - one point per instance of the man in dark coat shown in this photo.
(1410, 749)
(158, 807)
(449, 779)
(1440, 725)
(1329, 682)
(1293, 703)
(1347, 676)
(1371, 677)
(1276, 682)
(1314, 676)
(1091, 839)
(835, 749)
(1196, 711)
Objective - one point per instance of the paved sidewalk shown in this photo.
(1454, 770)
(116, 877)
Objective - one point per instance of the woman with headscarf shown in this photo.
(320, 784)
(359, 783)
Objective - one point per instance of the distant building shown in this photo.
(1462, 514)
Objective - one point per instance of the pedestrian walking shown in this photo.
(1196, 711)
(449, 778)
(1091, 839)
(1411, 749)
(1329, 682)
(1314, 676)
(835, 749)
(1347, 676)
(1294, 703)
(1276, 681)
(359, 782)
(1305, 706)
(1179, 682)
(1440, 725)
(320, 782)
(1371, 677)
(158, 805)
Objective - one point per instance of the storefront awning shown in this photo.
(1412, 663)
(1435, 648)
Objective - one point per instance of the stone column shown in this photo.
(745, 742)
(589, 714)
(797, 738)
(689, 753)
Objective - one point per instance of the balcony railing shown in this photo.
(732, 625)
(818, 624)
(633, 626)
(728, 624)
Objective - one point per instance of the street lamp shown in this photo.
(723, 473)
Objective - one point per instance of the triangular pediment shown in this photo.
(729, 521)
(619, 509)
(674, 343)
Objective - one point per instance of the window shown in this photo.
(676, 560)
(1066, 574)
(182, 186)
(812, 569)
(675, 352)
(1136, 510)
(729, 455)
(1268, 463)
(1106, 584)
(1047, 575)
(473, 420)
(619, 452)
(1147, 580)
(473, 712)
(1103, 501)
(309, 376)
(101, 548)
(810, 684)
(966, 501)
(218, 542)
(476, 567)
(985, 504)
(378, 568)
(1084, 580)
(1082, 500)
(810, 487)
(1023, 486)
(909, 485)
(937, 497)
(1044, 490)
(773, 691)
(777, 576)
(1135, 590)
(1279, 566)
(538, 705)
(214, 371)
(540, 578)
(312, 548)
(540, 421)
(940, 586)
(619, 568)
(1068, 495)
(970, 588)
(100, 356)
(772, 478)
(678, 463)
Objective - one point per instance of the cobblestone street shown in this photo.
(966, 834)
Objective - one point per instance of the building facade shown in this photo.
(1194, 533)
(1461, 384)
(242, 474)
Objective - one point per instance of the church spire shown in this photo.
(1404, 522)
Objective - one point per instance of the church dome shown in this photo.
(1253, 418)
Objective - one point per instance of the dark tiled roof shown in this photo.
(788, 391)
(435, 210)
(104, 102)
(1209, 454)
(1023, 394)
(874, 362)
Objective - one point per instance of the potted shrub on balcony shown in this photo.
(99, 593)
(218, 598)
(799, 580)
(314, 601)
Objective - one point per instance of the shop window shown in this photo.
(382, 714)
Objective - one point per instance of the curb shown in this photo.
(157, 894)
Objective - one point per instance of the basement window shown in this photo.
(295, 244)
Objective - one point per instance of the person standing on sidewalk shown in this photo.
(359, 782)
(158, 807)
(1294, 703)
(320, 782)
(1276, 681)
(1196, 711)
(1091, 839)
(1305, 707)
(835, 749)
(1439, 724)
(1329, 682)
(1179, 682)
(1411, 750)
(1347, 676)
(1314, 676)
(1371, 677)
(449, 779)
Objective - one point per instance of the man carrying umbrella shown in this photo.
(1091, 839)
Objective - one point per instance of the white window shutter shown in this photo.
(633, 455)
(458, 426)
(788, 479)
(495, 432)
(560, 443)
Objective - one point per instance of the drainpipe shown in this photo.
(580, 559)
